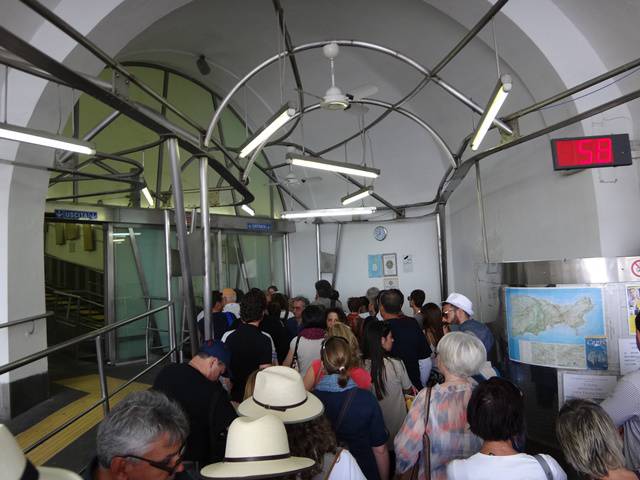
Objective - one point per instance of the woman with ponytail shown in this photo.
(354, 413)
(389, 376)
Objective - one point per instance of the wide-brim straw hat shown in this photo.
(15, 465)
(280, 391)
(257, 448)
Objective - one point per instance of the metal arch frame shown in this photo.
(379, 103)
(347, 43)
(215, 95)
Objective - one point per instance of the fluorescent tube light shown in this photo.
(280, 118)
(44, 139)
(248, 209)
(329, 212)
(147, 195)
(498, 97)
(331, 166)
(357, 195)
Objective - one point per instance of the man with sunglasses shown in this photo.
(142, 438)
(457, 315)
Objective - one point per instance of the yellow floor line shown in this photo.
(89, 384)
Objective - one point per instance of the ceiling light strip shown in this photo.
(277, 121)
(44, 139)
(498, 97)
(357, 195)
(248, 209)
(329, 212)
(330, 166)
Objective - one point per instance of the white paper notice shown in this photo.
(629, 355)
(592, 387)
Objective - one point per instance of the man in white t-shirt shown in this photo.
(623, 406)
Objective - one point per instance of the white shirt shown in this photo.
(233, 308)
(345, 468)
(490, 467)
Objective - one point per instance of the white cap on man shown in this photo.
(460, 301)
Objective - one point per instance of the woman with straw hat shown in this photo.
(279, 391)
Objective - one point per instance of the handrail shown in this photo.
(82, 338)
(48, 313)
(95, 405)
(73, 295)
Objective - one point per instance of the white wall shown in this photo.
(415, 237)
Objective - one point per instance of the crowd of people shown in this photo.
(300, 389)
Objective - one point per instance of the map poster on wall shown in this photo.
(633, 306)
(550, 326)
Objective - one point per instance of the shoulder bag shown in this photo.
(413, 472)
(294, 363)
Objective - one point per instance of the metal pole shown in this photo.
(104, 391)
(91, 134)
(219, 258)
(206, 240)
(442, 249)
(183, 247)
(318, 263)
(335, 267)
(287, 265)
(110, 290)
(75, 156)
(171, 309)
(485, 247)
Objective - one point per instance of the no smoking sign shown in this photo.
(635, 268)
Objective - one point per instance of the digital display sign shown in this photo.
(591, 152)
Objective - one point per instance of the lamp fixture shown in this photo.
(44, 139)
(147, 196)
(203, 66)
(498, 97)
(357, 195)
(248, 209)
(331, 166)
(329, 212)
(280, 118)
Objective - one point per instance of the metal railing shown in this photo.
(32, 318)
(98, 336)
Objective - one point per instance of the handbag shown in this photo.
(413, 472)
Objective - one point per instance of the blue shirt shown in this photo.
(479, 329)
(362, 425)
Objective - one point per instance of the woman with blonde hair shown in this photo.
(441, 411)
(354, 413)
(590, 441)
(358, 374)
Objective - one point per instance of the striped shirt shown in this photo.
(623, 406)
(447, 428)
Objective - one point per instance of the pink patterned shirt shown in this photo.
(447, 428)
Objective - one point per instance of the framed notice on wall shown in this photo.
(389, 265)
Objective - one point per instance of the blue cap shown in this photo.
(216, 348)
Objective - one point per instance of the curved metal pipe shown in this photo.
(347, 43)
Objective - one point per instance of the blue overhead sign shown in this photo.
(260, 227)
(75, 214)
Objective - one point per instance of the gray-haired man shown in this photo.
(142, 438)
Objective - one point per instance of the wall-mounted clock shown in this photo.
(380, 233)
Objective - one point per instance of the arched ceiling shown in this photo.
(546, 48)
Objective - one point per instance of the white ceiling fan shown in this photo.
(334, 98)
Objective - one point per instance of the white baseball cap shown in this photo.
(460, 301)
